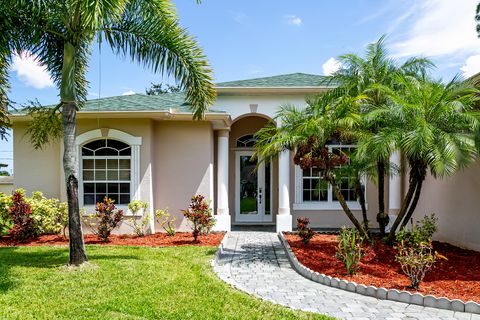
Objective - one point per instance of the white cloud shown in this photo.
(240, 17)
(293, 20)
(128, 93)
(438, 28)
(471, 66)
(330, 66)
(30, 71)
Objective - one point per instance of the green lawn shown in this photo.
(127, 283)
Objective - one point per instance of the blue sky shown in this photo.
(255, 38)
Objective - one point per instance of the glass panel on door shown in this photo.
(268, 168)
(248, 186)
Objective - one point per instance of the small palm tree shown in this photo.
(307, 133)
(437, 132)
(60, 33)
(361, 76)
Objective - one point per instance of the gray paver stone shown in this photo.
(458, 305)
(472, 307)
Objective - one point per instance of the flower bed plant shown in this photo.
(455, 278)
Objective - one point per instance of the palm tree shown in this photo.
(60, 33)
(360, 76)
(307, 132)
(437, 132)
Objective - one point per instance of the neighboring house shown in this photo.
(149, 148)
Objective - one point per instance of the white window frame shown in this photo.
(132, 141)
(330, 204)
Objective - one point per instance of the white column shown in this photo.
(223, 220)
(394, 190)
(284, 217)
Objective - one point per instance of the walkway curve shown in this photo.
(255, 262)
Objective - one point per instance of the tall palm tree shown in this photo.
(307, 132)
(60, 33)
(437, 132)
(360, 76)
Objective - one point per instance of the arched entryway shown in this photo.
(252, 186)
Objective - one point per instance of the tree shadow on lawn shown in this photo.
(43, 258)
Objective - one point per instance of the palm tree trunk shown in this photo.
(70, 163)
(403, 209)
(345, 207)
(361, 200)
(382, 218)
(413, 205)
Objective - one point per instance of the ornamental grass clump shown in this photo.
(166, 221)
(304, 232)
(138, 224)
(350, 249)
(200, 215)
(415, 250)
(105, 219)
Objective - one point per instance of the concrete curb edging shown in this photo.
(379, 293)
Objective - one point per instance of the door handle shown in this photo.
(260, 195)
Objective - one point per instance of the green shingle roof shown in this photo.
(280, 81)
(139, 102)
(163, 102)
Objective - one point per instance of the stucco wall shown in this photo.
(183, 165)
(454, 201)
(268, 105)
(35, 170)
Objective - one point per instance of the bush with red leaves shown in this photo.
(108, 218)
(23, 224)
(200, 215)
(304, 232)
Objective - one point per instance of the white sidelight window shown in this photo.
(314, 193)
(106, 171)
(109, 166)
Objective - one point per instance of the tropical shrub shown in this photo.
(139, 225)
(350, 249)
(200, 215)
(105, 219)
(166, 221)
(49, 214)
(304, 232)
(23, 225)
(415, 250)
(6, 222)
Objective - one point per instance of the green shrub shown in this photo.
(140, 224)
(166, 221)
(350, 249)
(200, 215)
(49, 215)
(6, 222)
(415, 250)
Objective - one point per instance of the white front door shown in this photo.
(252, 189)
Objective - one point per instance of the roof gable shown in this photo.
(293, 80)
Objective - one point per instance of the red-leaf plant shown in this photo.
(200, 215)
(23, 224)
(108, 218)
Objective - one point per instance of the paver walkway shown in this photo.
(255, 262)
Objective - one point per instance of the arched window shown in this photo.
(106, 169)
(246, 141)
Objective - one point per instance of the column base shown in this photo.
(284, 222)
(223, 222)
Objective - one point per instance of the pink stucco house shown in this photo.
(149, 148)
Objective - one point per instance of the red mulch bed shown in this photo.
(455, 278)
(153, 240)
